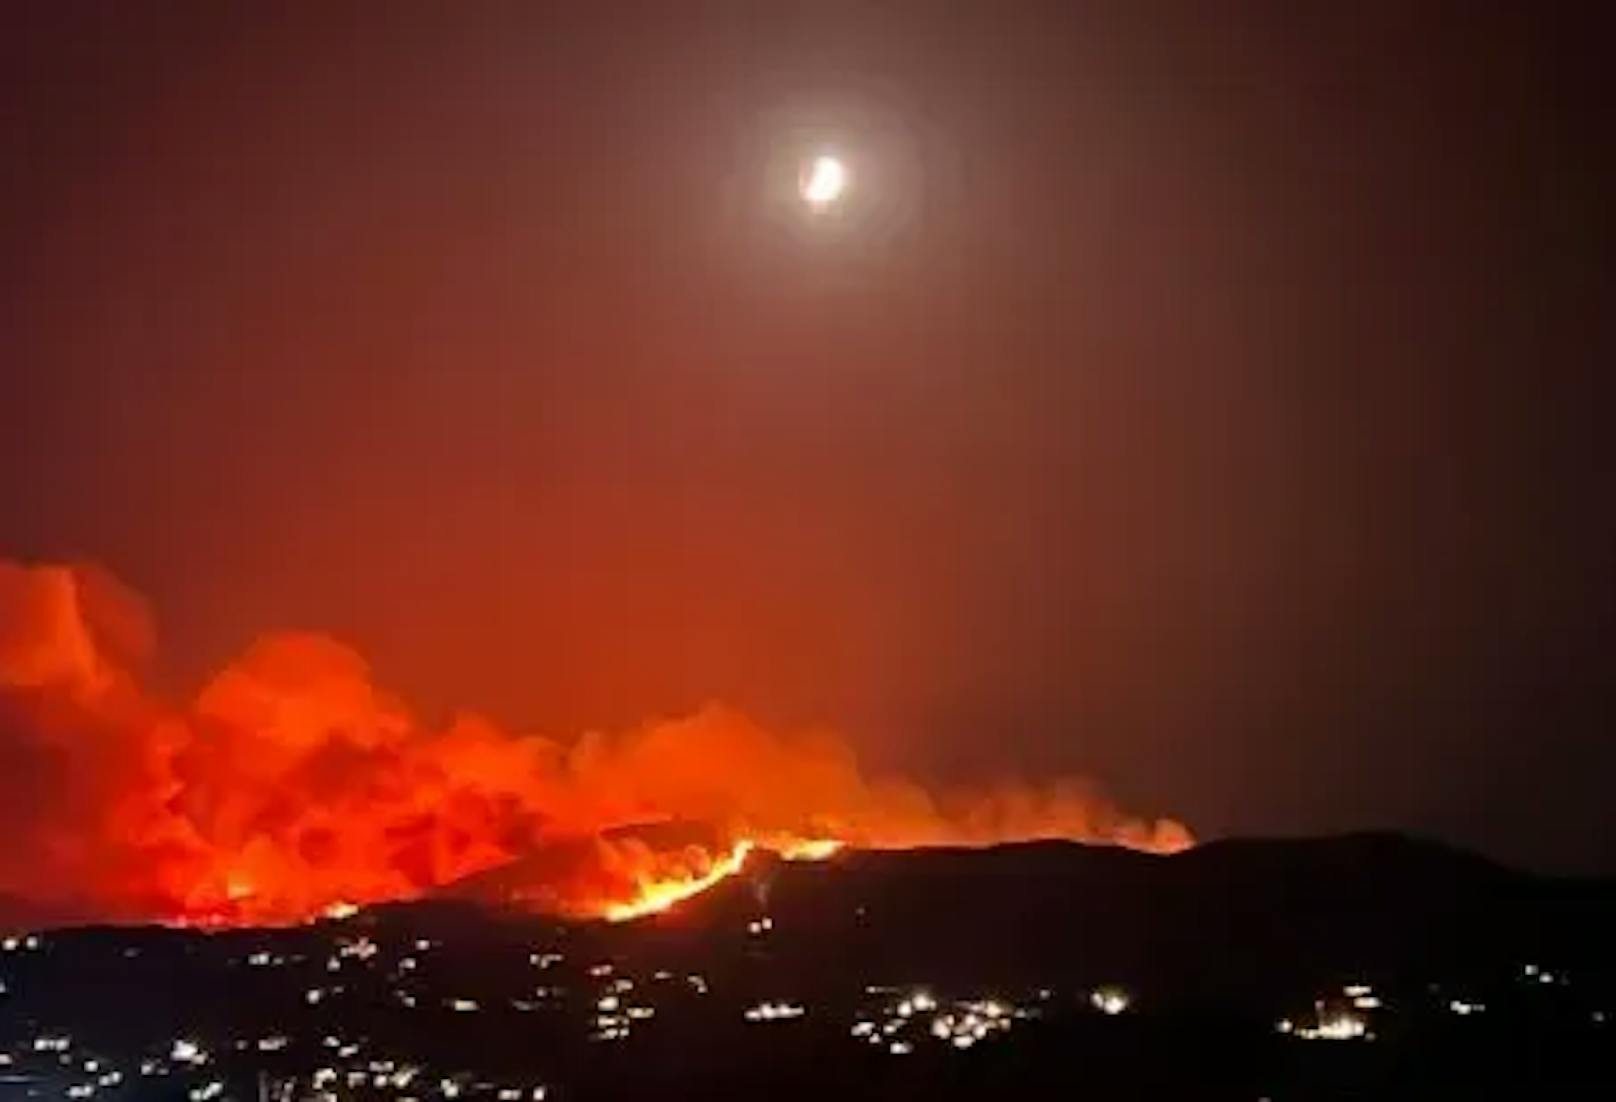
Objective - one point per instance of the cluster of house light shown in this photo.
(1110, 1000)
(1337, 1017)
(1347, 1015)
(898, 1024)
(775, 1012)
(614, 1017)
(196, 1073)
(902, 1019)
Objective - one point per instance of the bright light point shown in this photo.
(1110, 1000)
(824, 181)
(658, 895)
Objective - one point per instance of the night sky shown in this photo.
(1206, 397)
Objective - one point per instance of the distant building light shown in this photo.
(774, 1011)
(186, 1051)
(1337, 1027)
(1110, 1000)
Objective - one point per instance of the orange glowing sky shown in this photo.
(292, 783)
(1179, 395)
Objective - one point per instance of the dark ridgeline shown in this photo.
(1214, 947)
(1230, 924)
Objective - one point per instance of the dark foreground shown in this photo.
(1366, 967)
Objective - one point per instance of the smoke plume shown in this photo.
(291, 783)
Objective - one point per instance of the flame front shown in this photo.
(808, 849)
(658, 894)
(291, 785)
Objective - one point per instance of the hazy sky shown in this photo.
(1204, 396)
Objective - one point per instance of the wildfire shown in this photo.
(809, 849)
(655, 893)
(660, 894)
(292, 787)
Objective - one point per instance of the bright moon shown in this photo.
(823, 182)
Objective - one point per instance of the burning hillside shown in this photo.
(291, 784)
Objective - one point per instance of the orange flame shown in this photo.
(809, 849)
(291, 785)
(660, 894)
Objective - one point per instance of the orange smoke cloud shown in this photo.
(291, 784)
